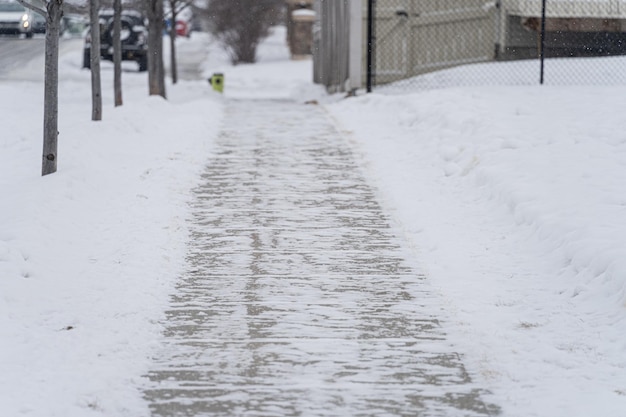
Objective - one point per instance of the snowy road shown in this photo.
(15, 53)
(299, 298)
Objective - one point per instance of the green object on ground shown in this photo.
(217, 81)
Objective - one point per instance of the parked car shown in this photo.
(184, 19)
(134, 36)
(183, 28)
(39, 23)
(16, 19)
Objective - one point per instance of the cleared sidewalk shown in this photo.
(300, 299)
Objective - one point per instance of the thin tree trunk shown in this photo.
(51, 87)
(117, 52)
(96, 86)
(161, 76)
(173, 64)
(156, 71)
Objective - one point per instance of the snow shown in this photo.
(88, 255)
(567, 8)
(303, 13)
(510, 197)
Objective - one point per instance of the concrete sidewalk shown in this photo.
(300, 299)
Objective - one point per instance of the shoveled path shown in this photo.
(299, 299)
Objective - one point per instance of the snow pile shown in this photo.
(512, 197)
(607, 71)
(275, 76)
(556, 164)
(89, 255)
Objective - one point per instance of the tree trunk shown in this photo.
(51, 87)
(161, 76)
(94, 56)
(117, 52)
(173, 64)
(156, 72)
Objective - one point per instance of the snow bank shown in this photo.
(89, 255)
(554, 157)
(512, 199)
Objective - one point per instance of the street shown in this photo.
(17, 52)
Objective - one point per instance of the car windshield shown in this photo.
(11, 7)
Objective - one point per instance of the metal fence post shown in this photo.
(370, 43)
(543, 40)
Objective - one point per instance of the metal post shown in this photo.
(543, 39)
(370, 43)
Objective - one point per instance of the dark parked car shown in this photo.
(134, 36)
(39, 23)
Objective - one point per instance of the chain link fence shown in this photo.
(429, 44)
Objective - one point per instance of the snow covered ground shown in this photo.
(512, 197)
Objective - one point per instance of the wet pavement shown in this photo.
(300, 299)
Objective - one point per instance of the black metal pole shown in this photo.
(370, 43)
(543, 39)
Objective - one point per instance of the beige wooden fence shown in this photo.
(415, 36)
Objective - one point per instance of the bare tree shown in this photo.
(241, 24)
(53, 11)
(117, 52)
(176, 6)
(173, 63)
(94, 61)
(156, 70)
